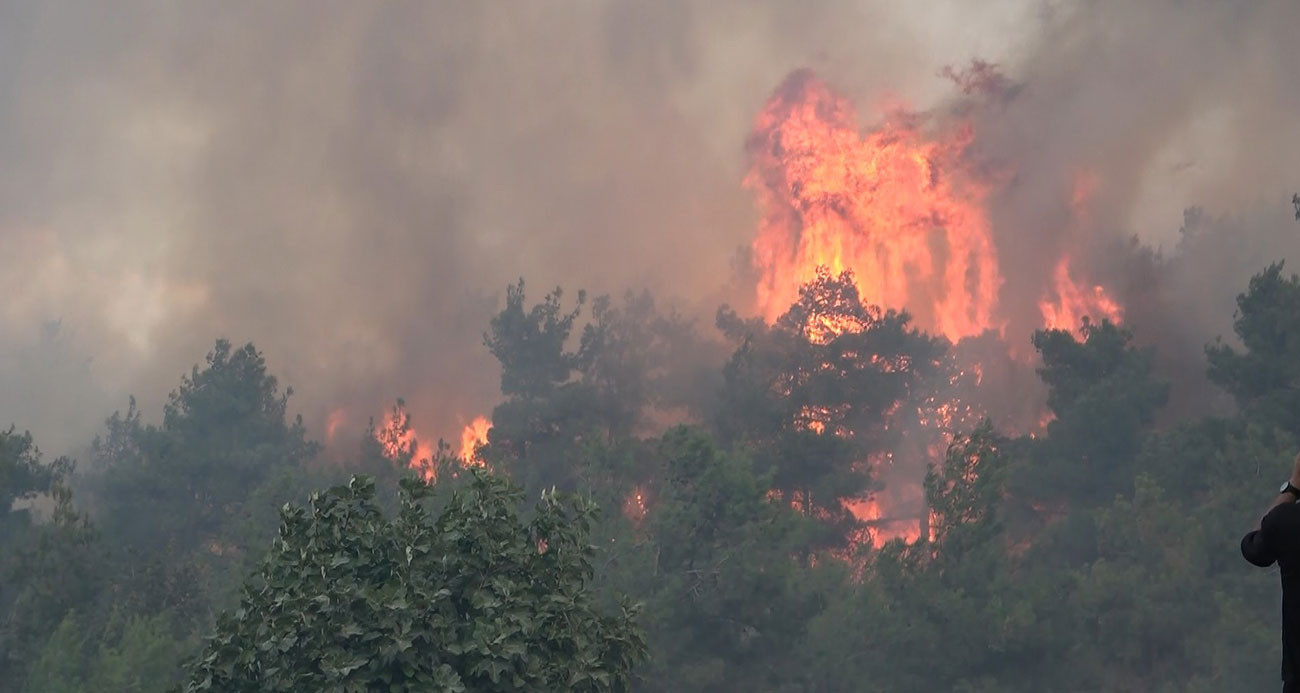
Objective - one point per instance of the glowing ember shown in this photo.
(634, 506)
(1044, 419)
(1068, 304)
(474, 435)
(885, 205)
(816, 418)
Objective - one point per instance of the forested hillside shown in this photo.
(680, 346)
(716, 551)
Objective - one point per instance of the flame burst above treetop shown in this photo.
(898, 206)
(889, 205)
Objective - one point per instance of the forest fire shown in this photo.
(898, 207)
(894, 206)
(473, 436)
(882, 525)
(889, 205)
(397, 439)
(1068, 304)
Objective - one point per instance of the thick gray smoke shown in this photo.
(1166, 105)
(1182, 115)
(351, 185)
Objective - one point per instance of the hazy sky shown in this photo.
(352, 185)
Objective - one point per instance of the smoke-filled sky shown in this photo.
(352, 185)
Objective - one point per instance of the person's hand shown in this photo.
(1295, 471)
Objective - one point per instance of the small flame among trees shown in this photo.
(397, 440)
(1068, 305)
(472, 437)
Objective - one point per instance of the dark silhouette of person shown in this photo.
(1277, 540)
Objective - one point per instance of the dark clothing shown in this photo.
(1278, 539)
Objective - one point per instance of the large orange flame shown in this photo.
(896, 207)
(888, 205)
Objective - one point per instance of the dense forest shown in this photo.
(781, 347)
(640, 522)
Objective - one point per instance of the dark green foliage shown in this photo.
(531, 345)
(1264, 377)
(946, 614)
(1104, 395)
(561, 396)
(626, 356)
(546, 411)
(1100, 554)
(727, 606)
(225, 453)
(135, 653)
(48, 562)
(22, 478)
(176, 507)
(965, 496)
(471, 599)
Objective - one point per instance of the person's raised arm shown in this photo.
(1257, 546)
(1289, 493)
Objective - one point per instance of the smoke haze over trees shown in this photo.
(353, 188)
(569, 220)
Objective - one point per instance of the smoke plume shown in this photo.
(352, 185)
